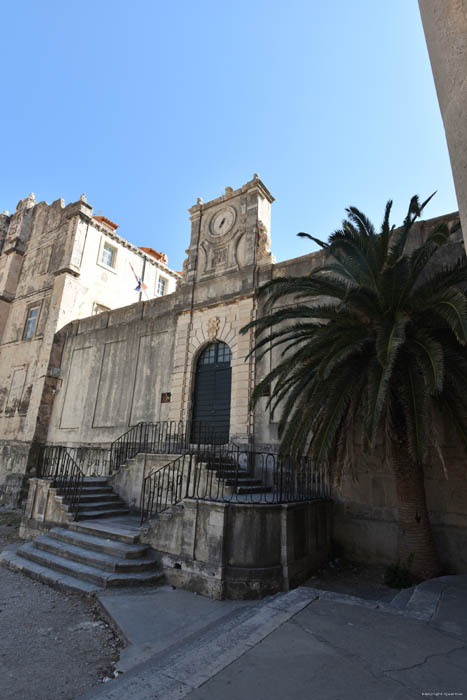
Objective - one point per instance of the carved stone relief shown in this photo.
(263, 244)
(219, 256)
(213, 327)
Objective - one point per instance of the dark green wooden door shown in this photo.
(213, 381)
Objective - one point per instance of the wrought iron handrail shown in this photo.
(92, 460)
(162, 437)
(57, 464)
(232, 476)
(165, 486)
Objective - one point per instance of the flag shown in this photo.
(141, 287)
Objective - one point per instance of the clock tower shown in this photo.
(229, 235)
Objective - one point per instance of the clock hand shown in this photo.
(222, 223)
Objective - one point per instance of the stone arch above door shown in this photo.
(214, 328)
(195, 330)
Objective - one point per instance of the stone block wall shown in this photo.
(365, 512)
(114, 370)
(44, 509)
(240, 551)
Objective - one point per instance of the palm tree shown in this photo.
(373, 348)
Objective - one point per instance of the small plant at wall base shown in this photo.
(372, 344)
(400, 575)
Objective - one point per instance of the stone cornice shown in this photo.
(255, 184)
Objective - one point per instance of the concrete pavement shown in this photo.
(157, 620)
(309, 643)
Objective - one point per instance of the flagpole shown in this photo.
(142, 280)
(139, 280)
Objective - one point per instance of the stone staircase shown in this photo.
(100, 549)
(236, 478)
(243, 484)
(87, 557)
(97, 500)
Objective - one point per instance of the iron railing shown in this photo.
(233, 475)
(165, 486)
(58, 465)
(163, 437)
(93, 461)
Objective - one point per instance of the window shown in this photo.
(31, 322)
(108, 255)
(98, 309)
(215, 353)
(161, 287)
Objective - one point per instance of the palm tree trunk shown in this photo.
(415, 535)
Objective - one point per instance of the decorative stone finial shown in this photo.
(83, 198)
(228, 190)
(31, 195)
(199, 200)
(255, 176)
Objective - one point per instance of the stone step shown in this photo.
(219, 465)
(91, 497)
(86, 572)
(48, 576)
(96, 489)
(108, 530)
(97, 504)
(99, 543)
(252, 489)
(101, 560)
(96, 480)
(243, 481)
(232, 473)
(91, 514)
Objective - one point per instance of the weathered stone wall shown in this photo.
(50, 258)
(116, 366)
(128, 480)
(44, 509)
(365, 509)
(35, 270)
(445, 25)
(240, 551)
(114, 370)
(108, 372)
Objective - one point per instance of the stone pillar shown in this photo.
(445, 26)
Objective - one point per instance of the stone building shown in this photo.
(86, 382)
(115, 380)
(57, 263)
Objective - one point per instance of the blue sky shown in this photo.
(145, 106)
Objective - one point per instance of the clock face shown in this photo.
(222, 222)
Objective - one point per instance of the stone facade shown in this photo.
(136, 354)
(57, 263)
(240, 551)
(108, 372)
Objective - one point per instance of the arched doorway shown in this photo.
(211, 399)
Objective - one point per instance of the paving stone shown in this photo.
(380, 640)
(297, 666)
(451, 613)
(443, 674)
